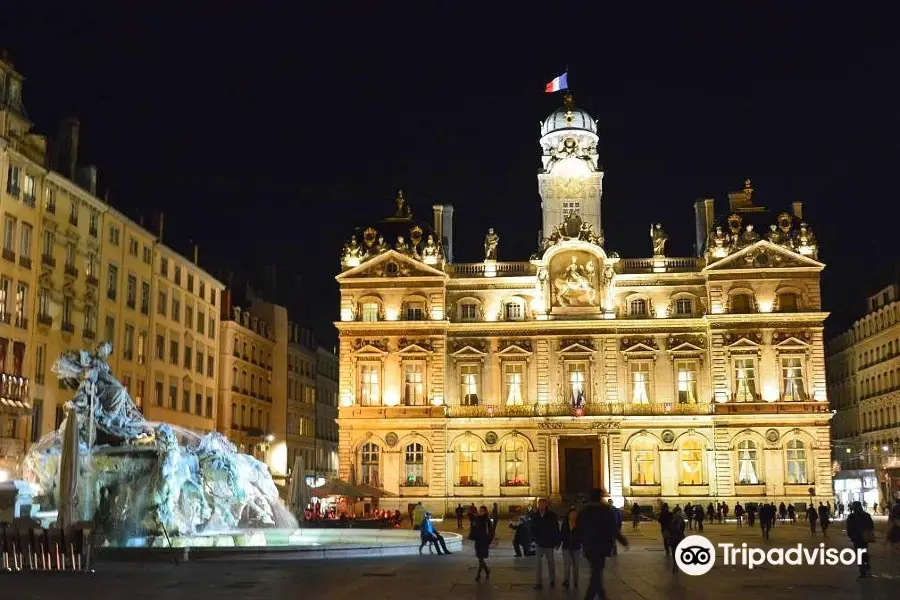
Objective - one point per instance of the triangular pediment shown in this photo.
(687, 347)
(468, 352)
(514, 350)
(414, 349)
(638, 348)
(577, 348)
(764, 255)
(369, 350)
(391, 264)
(743, 344)
(792, 343)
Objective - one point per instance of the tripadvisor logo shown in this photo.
(696, 555)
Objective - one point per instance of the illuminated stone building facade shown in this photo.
(864, 389)
(75, 271)
(656, 378)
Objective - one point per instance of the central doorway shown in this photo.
(579, 465)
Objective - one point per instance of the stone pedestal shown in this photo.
(17, 500)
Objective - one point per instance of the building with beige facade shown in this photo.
(74, 272)
(301, 399)
(326, 413)
(657, 378)
(863, 367)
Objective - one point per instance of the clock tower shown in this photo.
(570, 179)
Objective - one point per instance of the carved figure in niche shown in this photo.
(545, 244)
(609, 287)
(784, 223)
(749, 236)
(574, 283)
(354, 249)
(542, 277)
(491, 241)
(402, 247)
(369, 237)
(431, 249)
(718, 239)
(381, 246)
(775, 235)
(659, 238)
(805, 240)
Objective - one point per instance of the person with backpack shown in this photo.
(598, 528)
(861, 531)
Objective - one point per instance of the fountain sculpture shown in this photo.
(144, 479)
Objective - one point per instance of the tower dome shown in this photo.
(568, 118)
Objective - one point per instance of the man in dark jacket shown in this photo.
(545, 530)
(598, 529)
(861, 531)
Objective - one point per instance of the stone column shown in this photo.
(605, 463)
(553, 465)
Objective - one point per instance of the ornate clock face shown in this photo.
(568, 186)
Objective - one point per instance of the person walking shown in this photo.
(460, 511)
(571, 548)
(739, 514)
(482, 533)
(522, 537)
(751, 513)
(689, 515)
(698, 516)
(861, 531)
(812, 516)
(782, 512)
(824, 518)
(618, 514)
(635, 516)
(676, 534)
(792, 513)
(598, 529)
(545, 529)
(725, 510)
(665, 520)
(495, 515)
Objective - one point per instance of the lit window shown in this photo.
(640, 382)
(745, 379)
(513, 380)
(369, 311)
(571, 208)
(577, 376)
(686, 372)
(369, 388)
(691, 463)
(796, 462)
(369, 463)
(414, 384)
(467, 462)
(415, 465)
(643, 463)
(514, 465)
(468, 383)
(792, 379)
(415, 311)
(513, 311)
(748, 463)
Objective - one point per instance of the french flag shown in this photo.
(559, 83)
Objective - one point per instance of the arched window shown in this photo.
(514, 310)
(741, 303)
(369, 464)
(788, 302)
(252, 383)
(244, 350)
(234, 376)
(748, 463)
(643, 463)
(234, 421)
(253, 353)
(796, 462)
(415, 465)
(244, 380)
(514, 464)
(467, 455)
(692, 463)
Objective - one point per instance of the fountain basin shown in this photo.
(263, 544)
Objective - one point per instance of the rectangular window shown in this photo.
(198, 403)
(209, 407)
(109, 329)
(73, 212)
(686, 381)
(9, 236)
(186, 400)
(173, 352)
(178, 274)
(202, 292)
(188, 317)
(190, 282)
(13, 177)
(164, 266)
(47, 245)
(142, 347)
(369, 385)
(415, 311)
(5, 285)
(370, 311)
(67, 314)
(468, 311)
(413, 384)
(37, 418)
(210, 365)
(513, 311)
(147, 255)
(640, 381)
(415, 465)
(158, 392)
(40, 363)
(188, 356)
(49, 200)
(128, 351)
(176, 309)
(741, 303)
(139, 391)
(94, 224)
(637, 308)
(114, 235)
(29, 190)
(162, 302)
(198, 363)
(684, 307)
(71, 253)
(160, 347)
(212, 327)
(173, 393)
(514, 383)
(112, 282)
(131, 292)
(792, 387)
(201, 322)
(145, 298)
(22, 305)
(577, 378)
(468, 383)
(745, 379)
(91, 266)
(787, 302)
(133, 247)
(571, 208)
(26, 235)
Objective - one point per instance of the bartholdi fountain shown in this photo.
(148, 484)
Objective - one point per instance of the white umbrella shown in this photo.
(298, 496)
(67, 487)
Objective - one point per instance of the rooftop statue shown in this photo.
(153, 477)
(491, 241)
(659, 238)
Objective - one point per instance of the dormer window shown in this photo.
(415, 311)
(787, 302)
(468, 311)
(637, 308)
(684, 307)
(369, 311)
(513, 311)
(741, 303)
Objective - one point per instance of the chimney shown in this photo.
(86, 177)
(68, 147)
(161, 222)
(443, 227)
(798, 209)
(197, 254)
(704, 212)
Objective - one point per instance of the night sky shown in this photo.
(265, 136)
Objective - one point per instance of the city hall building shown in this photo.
(656, 378)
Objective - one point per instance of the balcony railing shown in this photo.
(92, 280)
(771, 408)
(88, 334)
(661, 265)
(71, 271)
(500, 269)
(67, 328)
(9, 255)
(599, 409)
(21, 321)
(25, 262)
(29, 200)
(44, 319)
(48, 260)
(5, 317)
